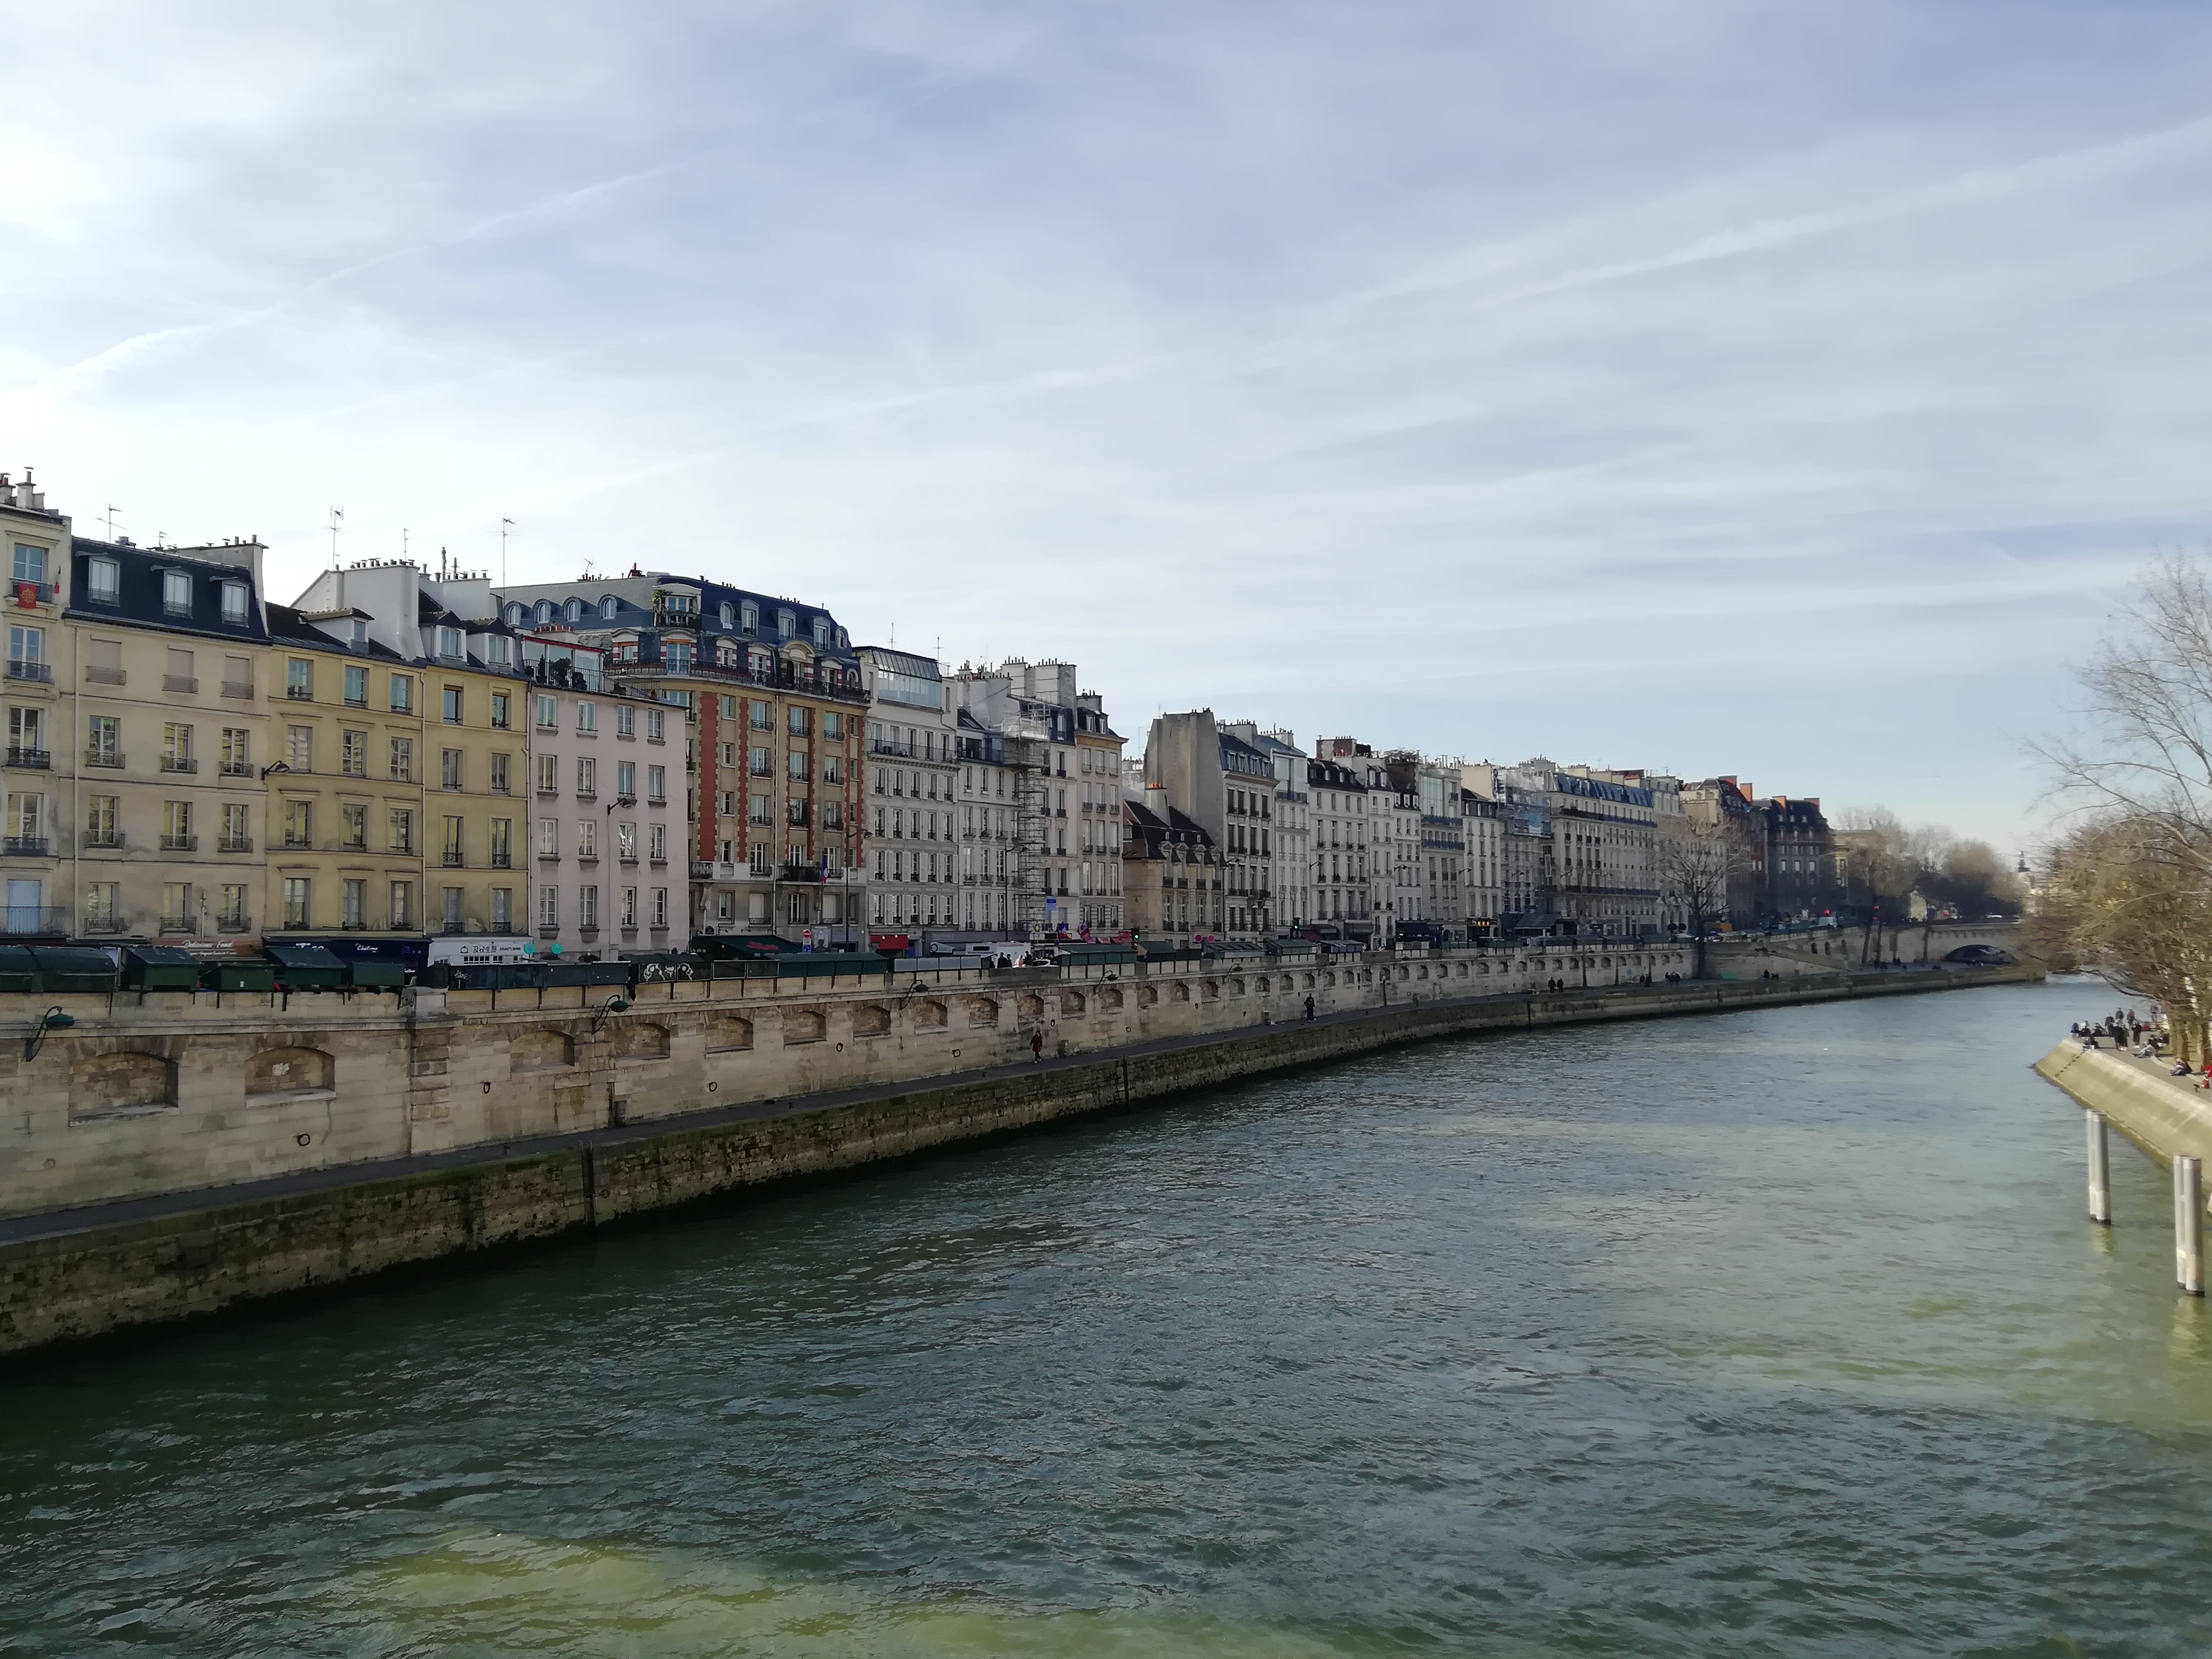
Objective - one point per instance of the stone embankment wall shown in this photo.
(169, 1091)
(64, 1276)
(2167, 1116)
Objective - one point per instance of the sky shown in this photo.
(1783, 390)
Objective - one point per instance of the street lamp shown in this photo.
(53, 1020)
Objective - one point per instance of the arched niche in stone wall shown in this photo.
(982, 1012)
(121, 1083)
(802, 1025)
(637, 1039)
(289, 1072)
(928, 1015)
(728, 1033)
(871, 1019)
(540, 1051)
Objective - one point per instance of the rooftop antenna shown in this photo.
(402, 544)
(505, 529)
(337, 523)
(111, 521)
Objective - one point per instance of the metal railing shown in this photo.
(180, 764)
(102, 757)
(34, 846)
(20, 668)
(181, 843)
(106, 839)
(20, 920)
(234, 844)
(38, 758)
(105, 676)
(179, 683)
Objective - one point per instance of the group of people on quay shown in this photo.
(2126, 1031)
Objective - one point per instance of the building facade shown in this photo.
(912, 840)
(1226, 786)
(1342, 816)
(1173, 883)
(1800, 851)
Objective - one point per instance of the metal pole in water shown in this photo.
(2189, 1224)
(2101, 1171)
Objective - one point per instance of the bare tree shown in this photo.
(1883, 859)
(2147, 757)
(1694, 861)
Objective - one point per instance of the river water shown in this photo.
(1777, 1333)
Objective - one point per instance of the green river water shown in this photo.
(1776, 1332)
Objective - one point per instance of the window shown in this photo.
(299, 748)
(833, 815)
(513, 614)
(549, 713)
(833, 725)
(573, 611)
(761, 761)
(679, 655)
(403, 904)
(357, 631)
(660, 906)
(177, 826)
(102, 582)
(548, 907)
(27, 653)
(653, 726)
(179, 676)
(656, 842)
(626, 842)
(233, 603)
(100, 821)
(452, 843)
(629, 907)
(587, 906)
(785, 624)
(729, 615)
(104, 665)
(353, 827)
(450, 917)
(449, 644)
(763, 717)
(402, 760)
(801, 720)
(797, 767)
(609, 606)
(729, 755)
(176, 593)
(748, 617)
(587, 717)
(549, 774)
(353, 754)
(402, 830)
(833, 771)
(498, 651)
(450, 705)
(626, 778)
(656, 783)
(822, 633)
(500, 702)
(498, 774)
(625, 722)
(548, 838)
(760, 809)
(544, 610)
(30, 563)
(729, 707)
(100, 907)
(177, 748)
(449, 768)
(403, 694)
(503, 910)
(588, 838)
(588, 776)
(729, 802)
(356, 686)
(237, 834)
(27, 820)
(299, 824)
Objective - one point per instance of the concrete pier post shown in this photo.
(2189, 1224)
(2100, 1170)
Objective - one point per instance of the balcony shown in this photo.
(181, 843)
(453, 860)
(106, 840)
(103, 757)
(180, 764)
(306, 694)
(234, 844)
(242, 688)
(798, 872)
(179, 683)
(177, 924)
(245, 769)
(38, 759)
(28, 847)
(502, 860)
(233, 924)
(888, 746)
(35, 921)
(105, 676)
(19, 669)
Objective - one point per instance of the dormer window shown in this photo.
(176, 593)
(822, 633)
(357, 631)
(729, 615)
(545, 612)
(233, 603)
(103, 582)
(575, 610)
(449, 643)
(608, 605)
(750, 616)
(498, 651)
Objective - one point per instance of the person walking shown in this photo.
(1036, 1047)
(1310, 1005)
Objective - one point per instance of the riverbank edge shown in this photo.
(2165, 1116)
(73, 1282)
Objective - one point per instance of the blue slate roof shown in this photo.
(139, 600)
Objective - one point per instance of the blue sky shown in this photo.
(1777, 389)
